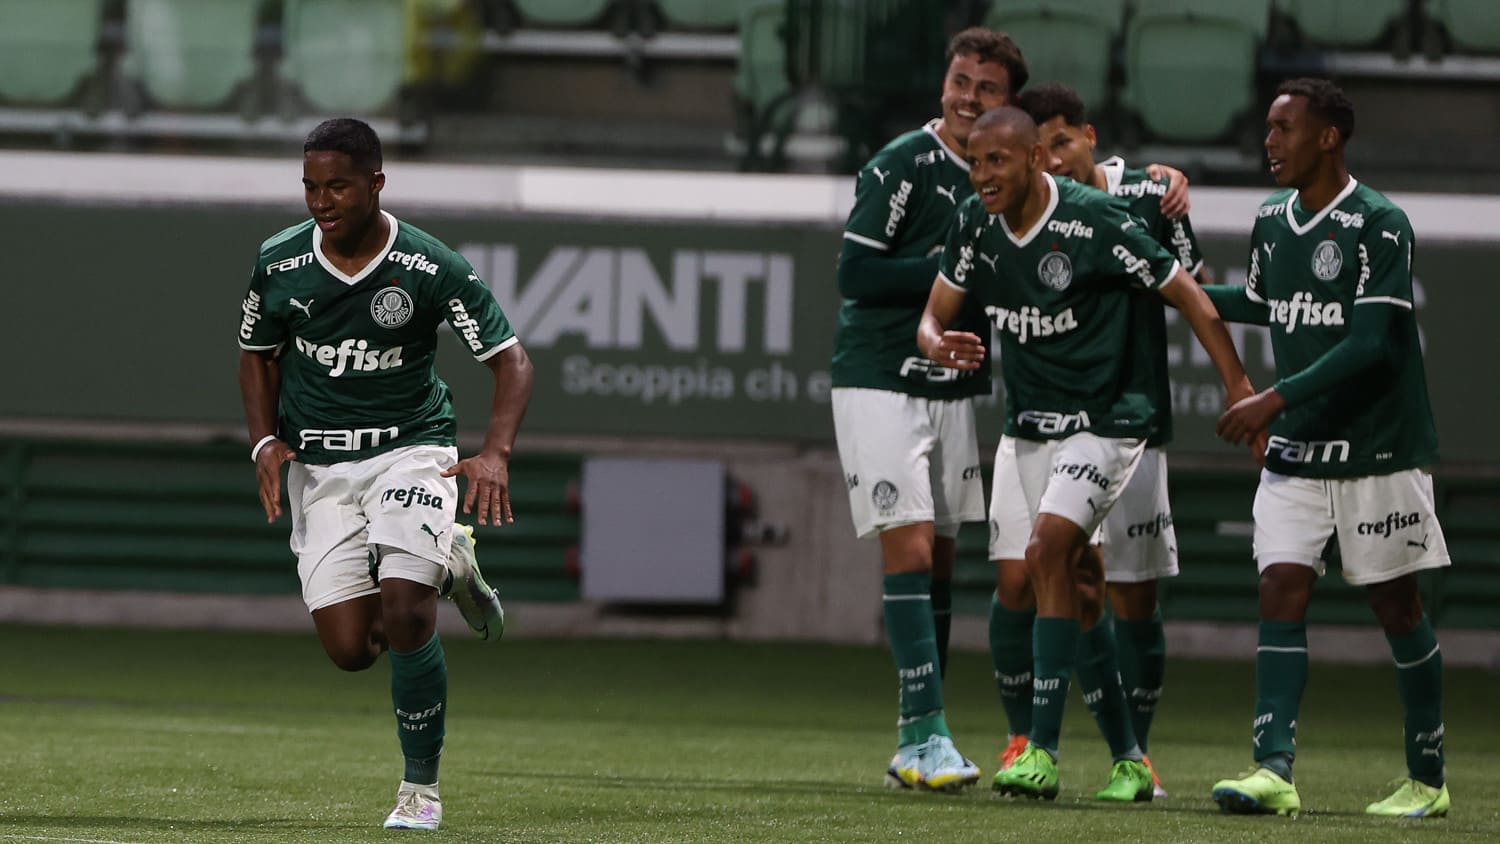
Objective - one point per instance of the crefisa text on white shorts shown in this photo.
(341, 513)
(1386, 524)
(907, 460)
(1079, 478)
(1137, 537)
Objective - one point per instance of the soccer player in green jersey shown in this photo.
(905, 427)
(1138, 542)
(1053, 264)
(1351, 432)
(338, 339)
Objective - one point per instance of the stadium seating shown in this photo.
(1473, 25)
(47, 47)
(190, 53)
(1190, 65)
(184, 518)
(561, 13)
(700, 14)
(345, 55)
(1343, 23)
(1068, 41)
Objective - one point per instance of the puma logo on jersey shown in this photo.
(880, 174)
(991, 260)
(304, 308)
(1394, 236)
(948, 192)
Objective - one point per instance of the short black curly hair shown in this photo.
(353, 138)
(1325, 100)
(1054, 99)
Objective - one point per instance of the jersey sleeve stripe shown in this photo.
(1197, 268)
(503, 345)
(1384, 300)
(260, 348)
(1171, 274)
(948, 281)
(1253, 296)
(866, 241)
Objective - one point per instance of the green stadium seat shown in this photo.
(700, 14)
(190, 53)
(184, 518)
(1069, 41)
(1474, 25)
(1190, 65)
(1343, 23)
(345, 55)
(47, 47)
(561, 13)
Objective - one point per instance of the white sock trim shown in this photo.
(1414, 663)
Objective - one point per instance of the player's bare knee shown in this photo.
(1133, 601)
(1013, 585)
(1397, 604)
(907, 548)
(1285, 590)
(352, 655)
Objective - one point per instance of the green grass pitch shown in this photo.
(153, 737)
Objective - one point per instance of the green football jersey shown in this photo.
(1059, 298)
(358, 353)
(1142, 195)
(904, 200)
(1313, 272)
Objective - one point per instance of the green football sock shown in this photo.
(1280, 676)
(942, 618)
(907, 605)
(1055, 650)
(1010, 652)
(1419, 674)
(1142, 649)
(1099, 680)
(419, 690)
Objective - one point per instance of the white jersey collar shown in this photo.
(955, 157)
(1291, 218)
(1041, 223)
(1114, 172)
(352, 280)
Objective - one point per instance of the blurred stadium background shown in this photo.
(654, 190)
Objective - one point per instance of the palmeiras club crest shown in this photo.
(1056, 270)
(884, 496)
(391, 307)
(1327, 260)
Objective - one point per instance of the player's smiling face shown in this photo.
(1295, 139)
(971, 88)
(341, 197)
(1000, 168)
(1070, 148)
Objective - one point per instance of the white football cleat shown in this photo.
(417, 807)
(476, 600)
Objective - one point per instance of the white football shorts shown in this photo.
(1386, 524)
(908, 460)
(1137, 537)
(1079, 478)
(343, 511)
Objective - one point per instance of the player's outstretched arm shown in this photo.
(488, 472)
(1195, 306)
(1365, 345)
(1235, 305)
(870, 275)
(953, 349)
(260, 388)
